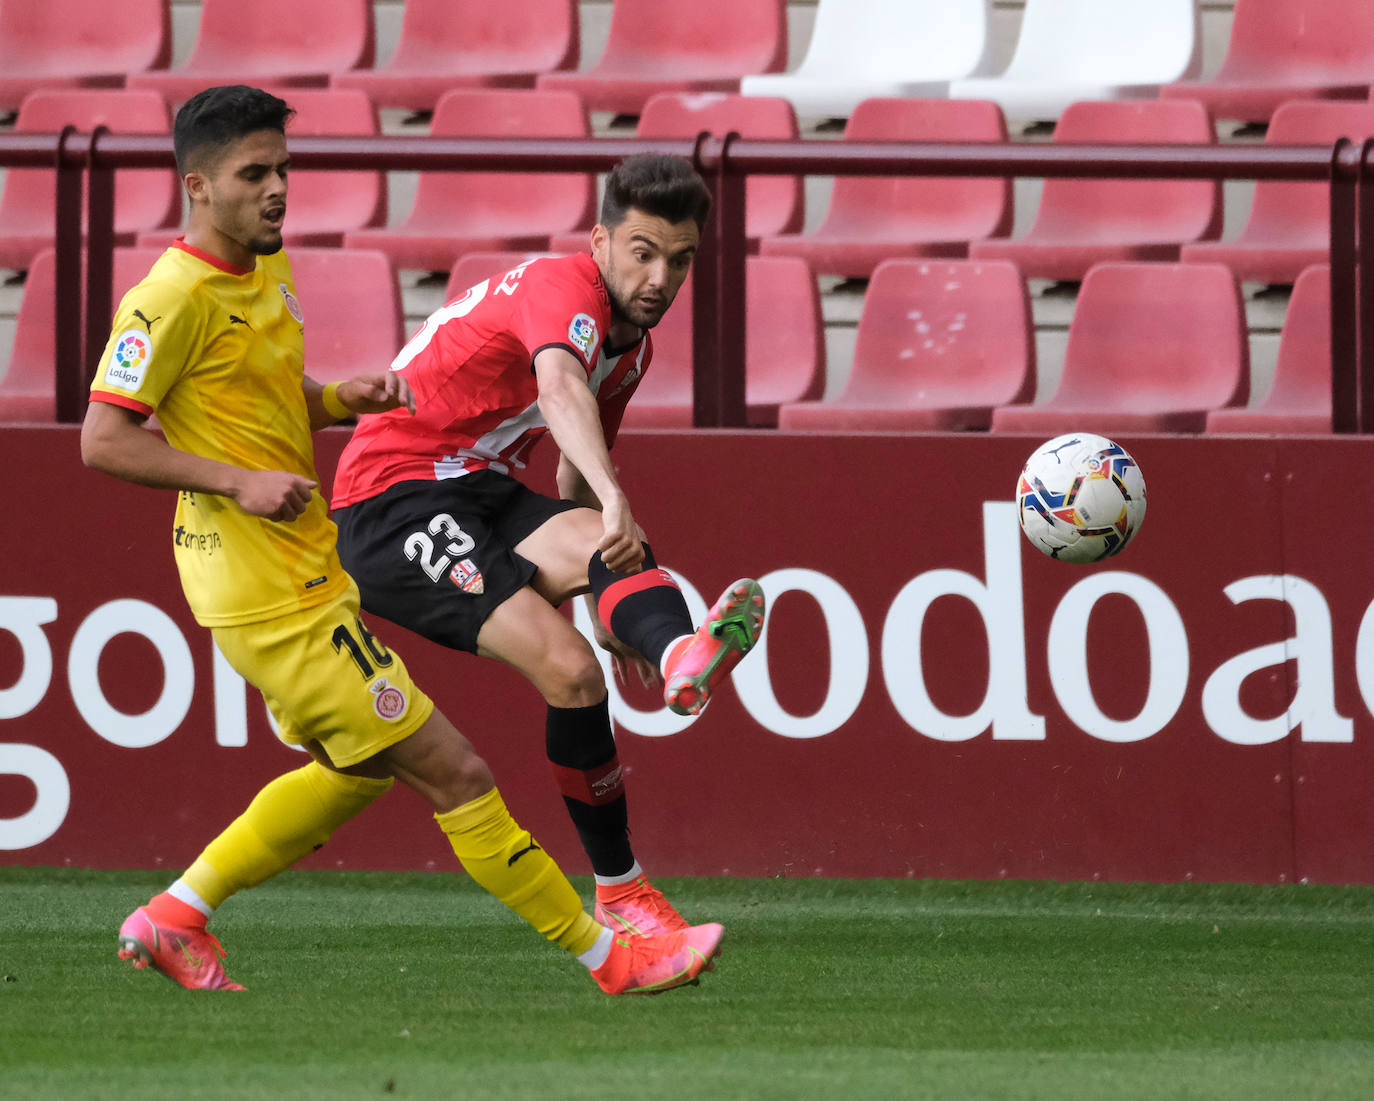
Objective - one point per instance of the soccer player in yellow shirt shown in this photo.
(212, 342)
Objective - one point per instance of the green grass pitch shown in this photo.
(370, 985)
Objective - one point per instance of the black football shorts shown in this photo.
(437, 557)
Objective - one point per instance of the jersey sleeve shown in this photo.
(554, 310)
(157, 331)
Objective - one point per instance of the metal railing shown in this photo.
(718, 274)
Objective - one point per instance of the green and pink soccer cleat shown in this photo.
(697, 664)
(651, 965)
(637, 908)
(190, 957)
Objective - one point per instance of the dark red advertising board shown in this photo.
(934, 697)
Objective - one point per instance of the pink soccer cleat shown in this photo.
(637, 908)
(190, 957)
(696, 665)
(651, 965)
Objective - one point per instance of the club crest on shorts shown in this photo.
(467, 577)
(293, 306)
(582, 334)
(388, 701)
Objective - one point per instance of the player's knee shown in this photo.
(575, 678)
(466, 777)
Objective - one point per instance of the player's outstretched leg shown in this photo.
(651, 965)
(697, 664)
(184, 953)
(636, 907)
(506, 861)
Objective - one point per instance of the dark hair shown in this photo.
(665, 186)
(213, 119)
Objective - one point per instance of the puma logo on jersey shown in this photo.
(148, 324)
(234, 319)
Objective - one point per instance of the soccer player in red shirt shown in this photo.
(444, 539)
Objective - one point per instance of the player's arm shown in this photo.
(573, 487)
(113, 440)
(373, 393)
(570, 410)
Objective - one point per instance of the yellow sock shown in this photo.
(292, 816)
(509, 864)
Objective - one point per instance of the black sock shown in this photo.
(645, 610)
(581, 751)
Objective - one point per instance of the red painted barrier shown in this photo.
(935, 698)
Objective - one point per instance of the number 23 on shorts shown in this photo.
(419, 546)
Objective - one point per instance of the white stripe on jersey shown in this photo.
(488, 449)
(501, 448)
(417, 343)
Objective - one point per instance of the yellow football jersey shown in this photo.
(217, 352)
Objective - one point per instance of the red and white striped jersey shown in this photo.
(471, 366)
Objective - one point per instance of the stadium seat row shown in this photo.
(1078, 222)
(941, 345)
(1067, 51)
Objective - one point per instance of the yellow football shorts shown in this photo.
(326, 677)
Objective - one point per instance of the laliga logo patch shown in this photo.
(129, 360)
(467, 577)
(388, 701)
(293, 307)
(582, 334)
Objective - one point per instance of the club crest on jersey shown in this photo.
(293, 307)
(129, 360)
(467, 577)
(582, 334)
(388, 701)
(631, 376)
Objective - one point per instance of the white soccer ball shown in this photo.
(1081, 497)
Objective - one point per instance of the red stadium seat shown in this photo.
(1152, 348)
(1288, 49)
(28, 390)
(871, 219)
(1289, 224)
(1300, 398)
(458, 212)
(79, 44)
(144, 198)
(352, 304)
(1083, 222)
(941, 343)
(470, 44)
(652, 46)
(784, 355)
(265, 42)
(784, 349)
